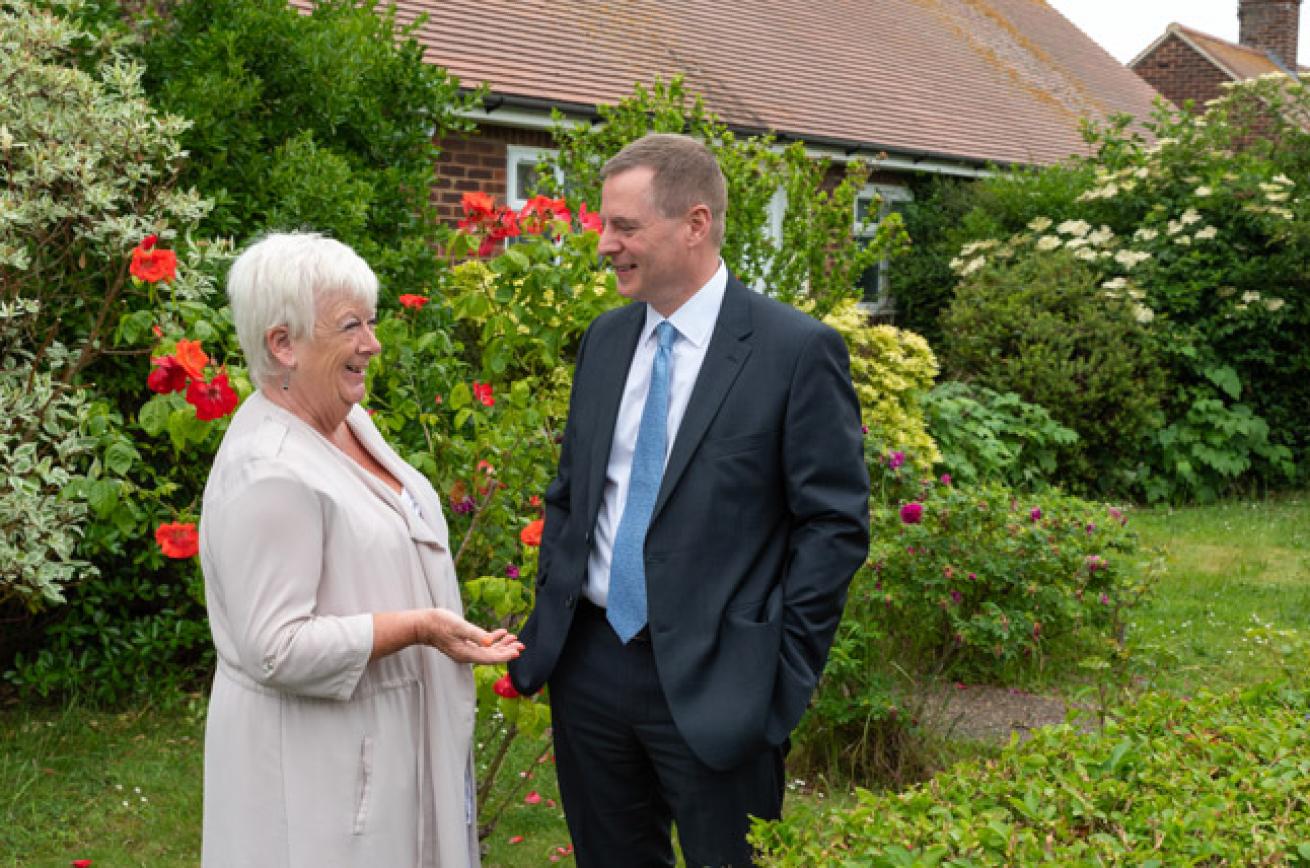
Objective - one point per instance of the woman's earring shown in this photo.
(286, 379)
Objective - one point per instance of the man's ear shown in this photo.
(278, 341)
(699, 223)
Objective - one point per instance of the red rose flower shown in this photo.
(912, 513)
(81, 863)
(192, 358)
(178, 540)
(168, 375)
(212, 400)
(531, 535)
(151, 264)
(532, 798)
(413, 302)
(483, 392)
(504, 687)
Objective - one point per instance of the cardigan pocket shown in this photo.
(365, 784)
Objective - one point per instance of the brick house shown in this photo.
(1185, 64)
(912, 86)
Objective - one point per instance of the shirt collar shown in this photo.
(695, 319)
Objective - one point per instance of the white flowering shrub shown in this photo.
(1203, 233)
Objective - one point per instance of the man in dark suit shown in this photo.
(709, 510)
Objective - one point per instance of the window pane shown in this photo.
(525, 179)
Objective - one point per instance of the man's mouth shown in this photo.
(356, 369)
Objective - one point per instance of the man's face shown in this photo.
(651, 254)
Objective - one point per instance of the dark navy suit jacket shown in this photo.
(761, 521)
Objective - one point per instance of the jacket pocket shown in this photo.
(365, 785)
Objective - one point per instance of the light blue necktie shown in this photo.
(626, 607)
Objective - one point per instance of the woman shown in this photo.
(341, 719)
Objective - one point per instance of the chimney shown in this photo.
(1272, 26)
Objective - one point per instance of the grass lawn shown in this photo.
(1234, 575)
(123, 789)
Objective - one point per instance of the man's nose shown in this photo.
(608, 244)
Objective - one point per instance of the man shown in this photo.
(709, 510)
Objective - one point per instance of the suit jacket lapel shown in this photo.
(612, 357)
(724, 358)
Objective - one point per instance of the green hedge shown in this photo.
(1203, 780)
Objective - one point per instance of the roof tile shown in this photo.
(979, 80)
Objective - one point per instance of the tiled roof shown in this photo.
(975, 80)
(1239, 61)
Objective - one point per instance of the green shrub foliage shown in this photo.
(1203, 780)
(975, 583)
(323, 121)
(1040, 327)
(42, 451)
(988, 436)
(1205, 226)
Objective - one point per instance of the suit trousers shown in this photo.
(626, 774)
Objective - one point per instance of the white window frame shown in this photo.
(516, 155)
(889, 193)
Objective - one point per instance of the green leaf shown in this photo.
(1225, 378)
(120, 457)
(103, 496)
(154, 415)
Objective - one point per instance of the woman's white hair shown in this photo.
(279, 279)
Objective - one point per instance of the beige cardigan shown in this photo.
(313, 755)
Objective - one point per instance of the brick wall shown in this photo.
(1179, 73)
(477, 161)
(1271, 25)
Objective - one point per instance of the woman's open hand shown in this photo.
(464, 642)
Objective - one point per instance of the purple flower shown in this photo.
(912, 513)
(895, 460)
(1095, 562)
(1091, 528)
(464, 506)
(864, 429)
(1035, 513)
(973, 577)
(1105, 600)
(512, 571)
(946, 479)
(956, 597)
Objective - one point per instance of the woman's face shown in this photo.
(330, 365)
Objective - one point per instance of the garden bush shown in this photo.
(988, 436)
(43, 452)
(1040, 325)
(963, 583)
(892, 370)
(322, 121)
(1201, 780)
(1205, 227)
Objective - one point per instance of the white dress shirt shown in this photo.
(694, 322)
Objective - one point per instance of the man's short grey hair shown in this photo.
(686, 175)
(279, 279)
